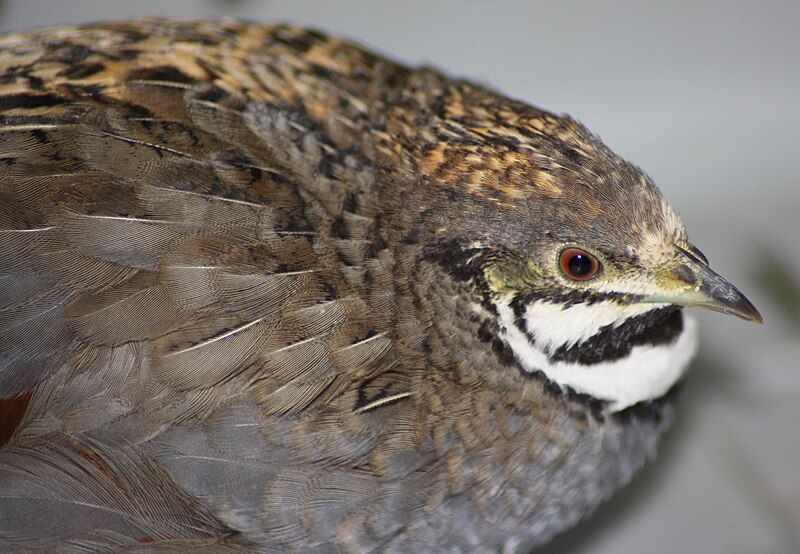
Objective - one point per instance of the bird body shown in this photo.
(263, 289)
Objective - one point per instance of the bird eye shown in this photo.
(578, 264)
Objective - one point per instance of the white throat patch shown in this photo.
(647, 373)
(552, 325)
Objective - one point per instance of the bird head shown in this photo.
(573, 251)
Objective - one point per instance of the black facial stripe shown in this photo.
(569, 299)
(656, 327)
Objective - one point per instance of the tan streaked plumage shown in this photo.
(232, 315)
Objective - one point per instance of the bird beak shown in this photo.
(693, 283)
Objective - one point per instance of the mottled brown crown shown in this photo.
(524, 173)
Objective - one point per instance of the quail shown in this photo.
(261, 289)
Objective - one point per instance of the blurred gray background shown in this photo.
(706, 98)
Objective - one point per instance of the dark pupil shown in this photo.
(580, 264)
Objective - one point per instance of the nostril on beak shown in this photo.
(685, 274)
